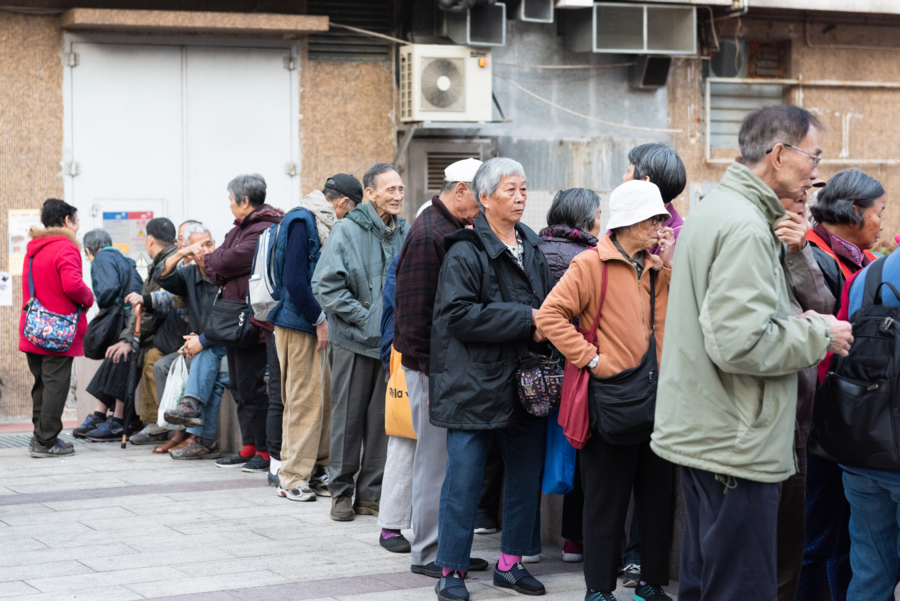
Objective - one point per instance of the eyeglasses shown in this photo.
(654, 221)
(816, 159)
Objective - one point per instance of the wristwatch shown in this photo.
(593, 363)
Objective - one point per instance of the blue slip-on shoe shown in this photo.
(451, 587)
(519, 580)
(109, 431)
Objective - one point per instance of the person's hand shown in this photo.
(842, 331)
(322, 335)
(534, 313)
(118, 352)
(191, 346)
(792, 231)
(134, 299)
(667, 246)
(197, 249)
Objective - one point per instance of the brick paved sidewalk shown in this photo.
(113, 525)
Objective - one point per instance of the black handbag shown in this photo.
(229, 324)
(103, 331)
(622, 406)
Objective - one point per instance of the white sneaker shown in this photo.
(531, 558)
(304, 493)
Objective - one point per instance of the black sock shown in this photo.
(118, 420)
(100, 415)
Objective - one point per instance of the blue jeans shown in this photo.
(874, 537)
(207, 381)
(522, 447)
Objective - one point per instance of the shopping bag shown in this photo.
(397, 412)
(559, 460)
(173, 394)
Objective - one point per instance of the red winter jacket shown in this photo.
(58, 283)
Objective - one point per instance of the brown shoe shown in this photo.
(366, 507)
(342, 509)
(199, 448)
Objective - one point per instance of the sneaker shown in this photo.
(319, 481)
(342, 509)
(304, 494)
(589, 596)
(631, 576)
(485, 525)
(185, 414)
(366, 507)
(151, 434)
(395, 544)
(199, 448)
(531, 558)
(233, 460)
(273, 479)
(650, 592)
(59, 449)
(573, 552)
(92, 421)
(257, 464)
(451, 587)
(432, 570)
(519, 580)
(109, 431)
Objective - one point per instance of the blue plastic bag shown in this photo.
(559, 460)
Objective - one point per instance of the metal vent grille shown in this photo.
(405, 85)
(438, 161)
(344, 45)
(767, 60)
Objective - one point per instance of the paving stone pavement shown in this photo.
(109, 524)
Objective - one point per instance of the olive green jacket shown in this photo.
(727, 394)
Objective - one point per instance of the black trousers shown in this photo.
(791, 531)
(52, 375)
(729, 550)
(247, 374)
(275, 415)
(573, 507)
(608, 474)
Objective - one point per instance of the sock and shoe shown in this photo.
(259, 463)
(573, 552)
(108, 431)
(318, 482)
(198, 448)
(272, 478)
(59, 448)
(238, 459)
(451, 586)
(150, 434)
(631, 576)
(432, 570)
(303, 494)
(187, 413)
(90, 423)
(510, 573)
(392, 540)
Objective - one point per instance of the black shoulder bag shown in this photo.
(229, 324)
(104, 329)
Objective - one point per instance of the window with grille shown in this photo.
(345, 45)
(438, 161)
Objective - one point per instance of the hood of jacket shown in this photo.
(367, 218)
(564, 233)
(46, 236)
(322, 210)
(264, 213)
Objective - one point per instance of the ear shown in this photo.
(646, 178)
(777, 155)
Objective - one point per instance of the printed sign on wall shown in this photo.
(20, 221)
(128, 230)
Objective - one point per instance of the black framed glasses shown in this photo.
(816, 159)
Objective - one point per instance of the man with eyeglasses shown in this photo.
(726, 408)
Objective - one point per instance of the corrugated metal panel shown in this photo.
(730, 103)
(344, 45)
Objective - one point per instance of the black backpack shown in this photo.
(856, 419)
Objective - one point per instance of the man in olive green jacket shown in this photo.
(728, 383)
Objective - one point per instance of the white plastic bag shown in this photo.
(173, 394)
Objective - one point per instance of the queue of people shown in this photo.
(703, 349)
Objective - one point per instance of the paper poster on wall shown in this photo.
(6, 284)
(20, 221)
(128, 230)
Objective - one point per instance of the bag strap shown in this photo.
(652, 303)
(31, 276)
(874, 280)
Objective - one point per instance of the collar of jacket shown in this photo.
(607, 250)
(162, 255)
(263, 212)
(441, 208)
(366, 217)
(492, 244)
(746, 183)
(564, 233)
(37, 233)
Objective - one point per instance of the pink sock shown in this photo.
(389, 533)
(448, 571)
(507, 562)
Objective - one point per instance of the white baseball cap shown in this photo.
(633, 202)
(462, 171)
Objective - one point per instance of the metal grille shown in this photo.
(731, 102)
(405, 85)
(21, 440)
(344, 45)
(438, 161)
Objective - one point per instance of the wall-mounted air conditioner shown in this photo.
(445, 83)
(632, 29)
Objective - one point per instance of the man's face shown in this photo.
(206, 244)
(467, 205)
(387, 196)
(796, 169)
(180, 240)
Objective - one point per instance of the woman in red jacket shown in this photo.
(54, 255)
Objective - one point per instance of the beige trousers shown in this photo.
(306, 394)
(149, 396)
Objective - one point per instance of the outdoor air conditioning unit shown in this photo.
(445, 83)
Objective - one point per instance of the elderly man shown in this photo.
(415, 467)
(348, 284)
(728, 384)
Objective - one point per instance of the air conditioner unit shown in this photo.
(445, 83)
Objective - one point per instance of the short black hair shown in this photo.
(845, 197)
(373, 172)
(764, 128)
(162, 229)
(55, 211)
(576, 208)
(662, 165)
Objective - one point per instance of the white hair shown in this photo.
(195, 228)
(487, 178)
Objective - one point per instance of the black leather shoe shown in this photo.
(395, 544)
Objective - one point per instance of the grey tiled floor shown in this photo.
(111, 524)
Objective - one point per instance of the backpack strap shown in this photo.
(872, 290)
(31, 276)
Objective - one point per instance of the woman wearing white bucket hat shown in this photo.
(623, 289)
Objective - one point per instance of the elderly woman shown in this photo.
(492, 281)
(848, 212)
(629, 341)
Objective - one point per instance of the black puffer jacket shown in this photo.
(113, 277)
(482, 322)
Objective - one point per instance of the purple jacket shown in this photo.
(560, 244)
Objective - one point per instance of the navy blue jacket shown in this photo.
(113, 277)
(387, 315)
(297, 250)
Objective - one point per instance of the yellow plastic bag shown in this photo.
(397, 412)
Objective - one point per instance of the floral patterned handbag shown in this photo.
(44, 328)
(540, 381)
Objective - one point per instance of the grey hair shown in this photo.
(196, 228)
(576, 208)
(251, 186)
(487, 178)
(95, 240)
(780, 124)
(370, 179)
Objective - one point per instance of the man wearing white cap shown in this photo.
(417, 280)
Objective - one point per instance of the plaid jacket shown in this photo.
(417, 279)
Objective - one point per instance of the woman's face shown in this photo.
(644, 234)
(239, 210)
(508, 201)
(872, 226)
(595, 231)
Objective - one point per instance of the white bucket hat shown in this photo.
(633, 202)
